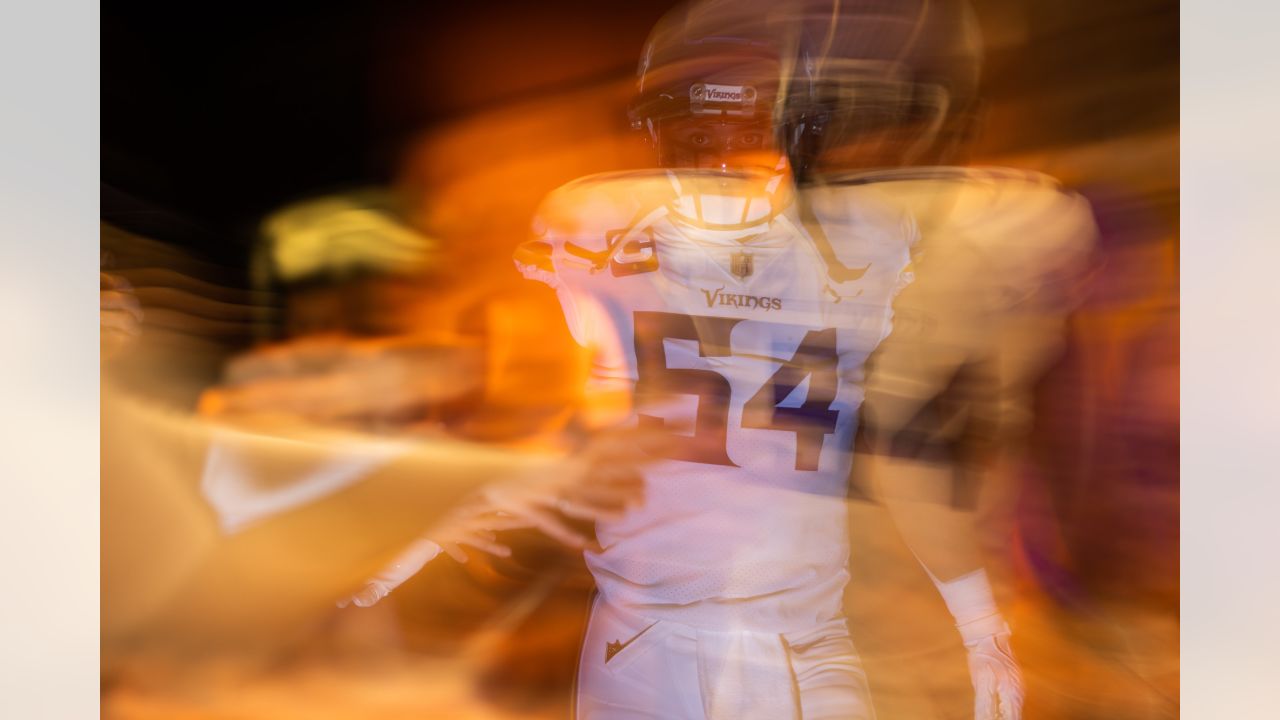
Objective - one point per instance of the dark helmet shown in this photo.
(902, 74)
(710, 58)
(830, 75)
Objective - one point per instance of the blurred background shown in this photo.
(437, 127)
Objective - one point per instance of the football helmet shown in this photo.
(708, 89)
(879, 83)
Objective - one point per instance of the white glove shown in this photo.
(997, 681)
(598, 484)
(470, 525)
(405, 566)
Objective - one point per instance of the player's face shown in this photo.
(717, 143)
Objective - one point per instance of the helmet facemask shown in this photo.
(713, 112)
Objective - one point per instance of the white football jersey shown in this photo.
(1000, 264)
(742, 334)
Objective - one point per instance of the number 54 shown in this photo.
(812, 421)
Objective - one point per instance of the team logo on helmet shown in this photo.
(713, 99)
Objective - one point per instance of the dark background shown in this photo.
(210, 119)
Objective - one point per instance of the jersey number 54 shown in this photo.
(811, 421)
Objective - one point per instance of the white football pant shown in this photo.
(632, 667)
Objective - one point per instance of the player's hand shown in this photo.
(600, 482)
(406, 565)
(997, 681)
(472, 525)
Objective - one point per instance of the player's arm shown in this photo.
(604, 484)
(916, 482)
(922, 418)
(579, 490)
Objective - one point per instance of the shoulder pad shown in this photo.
(583, 210)
(857, 216)
(1001, 211)
(578, 225)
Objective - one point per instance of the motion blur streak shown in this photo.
(288, 405)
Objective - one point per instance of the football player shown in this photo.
(893, 104)
(719, 314)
